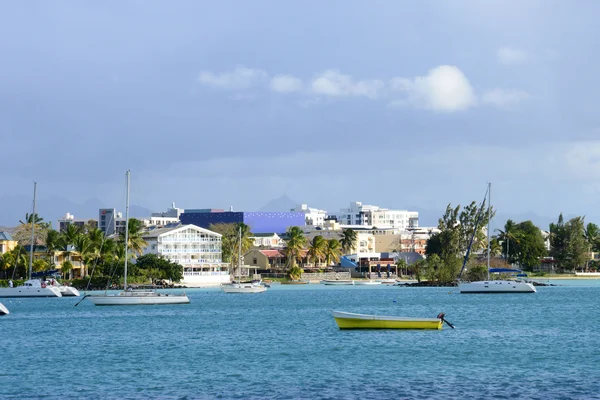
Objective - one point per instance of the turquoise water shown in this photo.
(284, 344)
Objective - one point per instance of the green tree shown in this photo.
(66, 269)
(505, 237)
(401, 266)
(53, 244)
(558, 240)
(332, 251)
(348, 240)
(295, 244)
(135, 241)
(159, 267)
(528, 245)
(576, 246)
(39, 265)
(230, 240)
(592, 237)
(317, 249)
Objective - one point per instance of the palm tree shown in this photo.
(317, 249)
(53, 244)
(32, 218)
(295, 243)
(66, 268)
(348, 241)
(135, 241)
(332, 251)
(505, 236)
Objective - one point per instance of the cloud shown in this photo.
(504, 97)
(512, 56)
(444, 88)
(286, 84)
(335, 84)
(239, 79)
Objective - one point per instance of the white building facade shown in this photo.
(314, 216)
(197, 249)
(375, 216)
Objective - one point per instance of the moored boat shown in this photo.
(337, 282)
(138, 297)
(31, 288)
(3, 310)
(347, 320)
(367, 282)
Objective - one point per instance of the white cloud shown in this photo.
(286, 84)
(238, 79)
(504, 97)
(512, 56)
(444, 88)
(335, 84)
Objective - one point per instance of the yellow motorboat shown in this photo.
(347, 320)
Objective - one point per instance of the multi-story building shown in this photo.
(259, 222)
(313, 216)
(69, 219)
(375, 216)
(197, 249)
(110, 221)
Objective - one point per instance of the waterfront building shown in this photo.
(375, 216)
(313, 216)
(69, 219)
(259, 222)
(197, 249)
(6, 242)
(272, 259)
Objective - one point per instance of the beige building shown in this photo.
(6, 242)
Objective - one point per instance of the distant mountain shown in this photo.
(52, 208)
(280, 204)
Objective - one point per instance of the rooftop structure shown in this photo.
(259, 222)
(362, 214)
(313, 216)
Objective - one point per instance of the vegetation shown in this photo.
(230, 240)
(295, 244)
(348, 241)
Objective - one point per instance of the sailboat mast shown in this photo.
(126, 231)
(32, 246)
(488, 229)
(240, 255)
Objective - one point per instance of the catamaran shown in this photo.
(493, 286)
(135, 297)
(31, 287)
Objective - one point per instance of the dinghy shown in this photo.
(347, 320)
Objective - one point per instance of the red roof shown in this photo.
(271, 253)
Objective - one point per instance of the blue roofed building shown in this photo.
(259, 222)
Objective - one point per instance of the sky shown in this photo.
(230, 103)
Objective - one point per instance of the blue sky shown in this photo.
(212, 104)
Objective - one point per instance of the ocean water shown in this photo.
(284, 344)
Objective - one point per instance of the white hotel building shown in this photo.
(373, 216)
(313, 216)
(197, 249)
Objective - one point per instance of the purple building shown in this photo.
(259, 222)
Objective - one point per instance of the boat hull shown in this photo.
(68, 291)
(29, 292)
(3, 310)
(367, 282)
(134, 299)
(336, 282)
(236, 288)
(500, 286)
(362, 321)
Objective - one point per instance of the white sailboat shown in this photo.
(239, 287)
(3, 310)
(31, 287)
(135, 297)
(494, 286)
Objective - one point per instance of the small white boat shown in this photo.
(499, 286)
(337, 282)
(3, 310)
(387, 281)
(31, 288)
(65, 290)
(367, 282)
(243, 288)
(596, 274)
